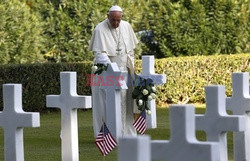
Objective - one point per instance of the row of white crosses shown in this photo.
(183, 144)
(13, 119)
(113, 99)
(182, 118)
(239, 104)
(113, 95)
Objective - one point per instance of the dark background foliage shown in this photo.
(39, 80)
(60, 30)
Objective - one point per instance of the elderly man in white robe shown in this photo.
(114, 40)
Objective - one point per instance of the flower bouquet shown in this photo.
(143, 92)
(99, 68)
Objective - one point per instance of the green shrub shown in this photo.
(54, 31)
(186, 78)
(21, 38)
(68, 30)
(39, 80)
(59, 31)
(69, 27)
(198, 27)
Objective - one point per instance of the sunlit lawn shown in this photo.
(44, 144)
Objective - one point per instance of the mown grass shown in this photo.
(44, 144)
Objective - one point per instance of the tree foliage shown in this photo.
(21, 39)
(69, 26)
(60, 30)
(199, 27)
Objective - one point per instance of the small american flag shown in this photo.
(104, 141)
(140, 123)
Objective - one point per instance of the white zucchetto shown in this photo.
(115, 8)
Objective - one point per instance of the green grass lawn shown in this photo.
(44, 144)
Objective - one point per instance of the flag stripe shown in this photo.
(142, 128)
(140, 124)
(139, 120)
(104, 141)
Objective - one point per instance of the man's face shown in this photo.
(115, 18)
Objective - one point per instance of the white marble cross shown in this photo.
(134, 148)
(183, 145)
(239, 104)
(216, 122)
(69, 101)
(148, 71)
(13, 119)
(113, 87)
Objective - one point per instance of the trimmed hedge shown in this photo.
(186, 78)
(39, 80)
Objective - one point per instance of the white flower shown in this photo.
(94, 68)
(150, 98)
(153, 95)
(140, 102)
(145, 92)
(153, 89)
(148, 112)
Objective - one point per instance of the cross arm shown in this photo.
(52, 101)
(83, 102)
(29, 119)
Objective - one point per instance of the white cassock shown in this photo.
(113, 45)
